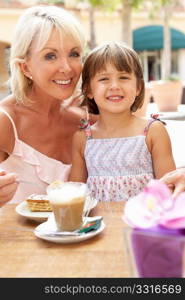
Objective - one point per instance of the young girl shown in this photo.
(120, 153)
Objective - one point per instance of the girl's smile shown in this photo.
(115, 98)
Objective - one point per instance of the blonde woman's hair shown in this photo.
(123, 58)
(38, 23)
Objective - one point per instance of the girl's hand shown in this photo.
(8, 186)
(175, 181)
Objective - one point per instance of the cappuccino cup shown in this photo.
(67, 201)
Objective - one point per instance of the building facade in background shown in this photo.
(147, 35)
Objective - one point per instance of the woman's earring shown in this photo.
(30, 80)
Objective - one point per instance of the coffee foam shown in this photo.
(67, 193)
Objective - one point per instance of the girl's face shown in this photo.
(56, 68)
(113, 90)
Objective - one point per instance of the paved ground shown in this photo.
(176, 128)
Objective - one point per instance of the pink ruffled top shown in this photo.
(32, 165)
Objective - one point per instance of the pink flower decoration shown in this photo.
(155, 206)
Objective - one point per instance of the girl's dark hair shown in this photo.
(120, 56)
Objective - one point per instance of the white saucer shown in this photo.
(49, 226)
(38, 216)
(41, 216)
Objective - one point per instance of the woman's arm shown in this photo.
(78, 170)
(7, 137)
(8, 181)
(8, 186)
(159, 145)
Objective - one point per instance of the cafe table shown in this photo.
(23, 255)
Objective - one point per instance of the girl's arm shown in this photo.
(78, 170)
(159, 145)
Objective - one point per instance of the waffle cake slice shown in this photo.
(38, 203)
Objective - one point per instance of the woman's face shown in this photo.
(56, 68)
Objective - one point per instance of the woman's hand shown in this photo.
(75, 100)
(8, 186)
(175, 181)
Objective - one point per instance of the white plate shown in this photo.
(41, 216)
(50, 226)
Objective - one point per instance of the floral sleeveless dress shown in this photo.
(118, 168)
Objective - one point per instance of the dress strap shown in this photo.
(11, 120)
(154, 117)
(85, 124)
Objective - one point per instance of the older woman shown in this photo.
(46, 63)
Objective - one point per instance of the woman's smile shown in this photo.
(62, 82)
